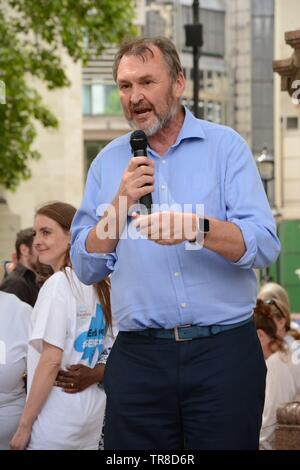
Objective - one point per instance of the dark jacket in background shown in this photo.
(21, 282)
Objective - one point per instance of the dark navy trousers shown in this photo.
(203, 394)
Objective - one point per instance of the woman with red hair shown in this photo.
(283, 374)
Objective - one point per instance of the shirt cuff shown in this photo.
(247, 260)
(109, 257)
(90, 267)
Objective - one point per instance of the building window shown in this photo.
(201, 110)
(86, 100)
(213, 111)
(213, 28)
(292, 122)
(91, 150)
(201, 77)
(218, 112)
(213, 32)
(101, 99)
(210, 111)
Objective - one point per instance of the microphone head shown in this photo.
(138, 140)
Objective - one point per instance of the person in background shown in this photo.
(21, 281)
(9, 266)
(70, 325)
(275, 292)
(283, 370)
(186, 370)
(272, 290)
(14, 324)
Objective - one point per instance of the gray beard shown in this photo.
(159, 123)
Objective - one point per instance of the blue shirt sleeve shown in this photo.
(247, 207)
(89, 267)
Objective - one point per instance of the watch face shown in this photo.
(206, 225)
(203, 225)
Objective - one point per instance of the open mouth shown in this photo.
(142, 112)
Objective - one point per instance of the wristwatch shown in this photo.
(202, 229)
(202, 225)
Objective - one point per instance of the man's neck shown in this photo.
(165, 137)
(25, 265)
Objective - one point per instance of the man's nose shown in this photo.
(136, 95)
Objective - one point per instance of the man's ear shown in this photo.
(24, 250)
(179, 85)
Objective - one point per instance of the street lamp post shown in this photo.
(196, 60)
(194, 39)
(265, 164)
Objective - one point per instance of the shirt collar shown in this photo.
(191, 128)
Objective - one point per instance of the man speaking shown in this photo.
(186, 370)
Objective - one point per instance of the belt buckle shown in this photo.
(177, 334)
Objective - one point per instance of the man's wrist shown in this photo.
(201, 230)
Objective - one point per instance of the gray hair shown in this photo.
(141, 47)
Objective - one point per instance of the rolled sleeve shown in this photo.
(246, 261)
(255, 237)
(248, 208)
(90, 267)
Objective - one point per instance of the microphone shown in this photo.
(138, 142)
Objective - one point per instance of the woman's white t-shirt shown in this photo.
(282, 385)
(14, 323)
(69, 316)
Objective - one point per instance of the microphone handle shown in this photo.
(140, 153)
(147, 202)
(147, 199)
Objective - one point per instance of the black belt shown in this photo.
(189, 332)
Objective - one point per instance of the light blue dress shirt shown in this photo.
(157, 286)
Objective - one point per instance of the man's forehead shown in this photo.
(149, 52)
(145, 59)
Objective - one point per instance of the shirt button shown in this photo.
(183, 305)
(163, 187)
(176, 274)
(163, 161)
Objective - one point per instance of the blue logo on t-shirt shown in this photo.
(90, 342)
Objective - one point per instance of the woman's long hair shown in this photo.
(277, 296)
(63, 214)
(263, 316)
(272, 290)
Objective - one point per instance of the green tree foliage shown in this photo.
(32, 35)
(113, 105)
